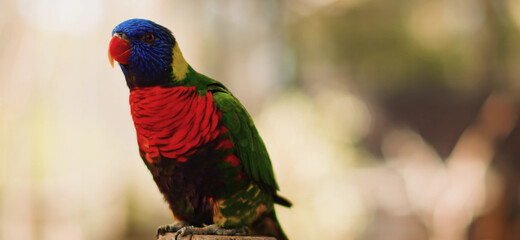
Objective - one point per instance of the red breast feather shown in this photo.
(174, 122)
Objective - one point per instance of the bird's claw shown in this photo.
(169, 228)
(210, 230)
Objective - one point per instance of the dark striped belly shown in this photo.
(191, 187)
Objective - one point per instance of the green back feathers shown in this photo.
(249, 145)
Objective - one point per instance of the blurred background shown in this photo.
(384, 119)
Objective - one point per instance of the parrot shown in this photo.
(196, 139)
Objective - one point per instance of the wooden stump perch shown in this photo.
(171, 236)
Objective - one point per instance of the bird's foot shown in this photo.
(210, 230)
(170, 228)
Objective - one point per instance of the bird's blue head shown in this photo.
(145, 51)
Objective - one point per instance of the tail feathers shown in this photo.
(267, 225)
(282, 201)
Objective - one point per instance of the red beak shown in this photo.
(119, 50)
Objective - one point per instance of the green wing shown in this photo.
(249, 146)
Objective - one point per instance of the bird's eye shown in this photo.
(149, 38)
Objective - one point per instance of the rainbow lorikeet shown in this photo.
(195, 137)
